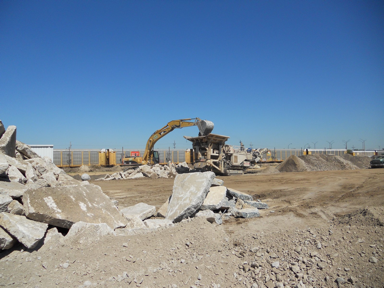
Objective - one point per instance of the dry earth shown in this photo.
(323, 229)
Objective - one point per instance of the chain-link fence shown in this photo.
(64, 158)
(91, 157)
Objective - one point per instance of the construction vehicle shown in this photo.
(210, 153)
(152, 157)
(107, 157)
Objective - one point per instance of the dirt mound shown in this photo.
(363, 162)
(322, 162)
(373, 216)
(292, 164)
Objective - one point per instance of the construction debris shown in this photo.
(46, 195)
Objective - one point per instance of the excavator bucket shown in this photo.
(205, 127)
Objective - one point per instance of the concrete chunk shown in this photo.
(210, 216)
(142, 210)
(189, 193)
(6, 240)
(246, 213)
(217, 182)
(27, 232)
(14, 175)
(157, 223)
(54, 235)
(5, 200)
(2, 129)
(215, 197)
(12, 189)
(239, 195)
(162, 212)
(64, 206)
(16, 208)
(257, 204)
(86, 233)
(3, 165)
(26, 150)
(8, 142)
(20, 165)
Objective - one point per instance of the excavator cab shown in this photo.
(156, 158)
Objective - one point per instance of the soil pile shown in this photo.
(323, 162)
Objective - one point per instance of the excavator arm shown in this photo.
(205, 127)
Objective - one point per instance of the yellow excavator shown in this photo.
(152, 157)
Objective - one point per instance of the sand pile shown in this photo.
(322, 162)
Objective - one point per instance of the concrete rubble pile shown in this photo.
(155, 171)
(37, 199)
(35, 193)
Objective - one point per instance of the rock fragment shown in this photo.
(6, 240)
(26, 231)
(16, 208)
(215, 197)
(246, 213)
(8, 142)
(13, 189)
(157, 223)
(64, 206)
(5, 200)
(239, 195)
(142, 210)
(189, 192)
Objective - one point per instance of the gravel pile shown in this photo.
(322, 162)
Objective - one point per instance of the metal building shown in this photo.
(43, 150)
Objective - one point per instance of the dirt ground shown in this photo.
(322, 229)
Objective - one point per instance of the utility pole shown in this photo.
(362, 144)
(330, 144)
(314, 144)
(346, 143)
(251, 145)
(289, 144)
(69, 154)
(174, 144)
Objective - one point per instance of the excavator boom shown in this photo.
(205, 127)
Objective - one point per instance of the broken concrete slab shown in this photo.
(210, 216)
(142, 210)
(8, 141)
(66, 205)
(66, 180)
(257, 204)
(246, 213)
(5, 200)
(86, 233)
(3, 164)
(162, 212)
(30, 173)
(228, 204)
(215, 197)
(135, 222)
(239, 195)
(14, 175)
(12, 189)
(189, 193)
(16, 208)
(50, 177)
(54, 235)
(2, 129)
(44, 165)
(157, 223)
(26, 150)
(6, 240)
(217, 182)
(20, 165)
(26, 231)
(136, 176)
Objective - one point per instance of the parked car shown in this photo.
(377, 162)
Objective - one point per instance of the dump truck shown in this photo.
(151, 156)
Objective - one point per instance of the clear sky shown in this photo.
(107, 74)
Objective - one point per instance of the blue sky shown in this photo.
(107, 74)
